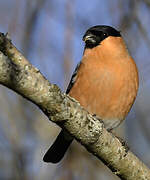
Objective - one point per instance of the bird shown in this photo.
(105, 82)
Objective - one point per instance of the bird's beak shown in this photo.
(87, 37)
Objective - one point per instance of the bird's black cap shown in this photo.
(97, 34)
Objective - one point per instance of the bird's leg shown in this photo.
(97, 117)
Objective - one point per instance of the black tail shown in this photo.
(58, 149)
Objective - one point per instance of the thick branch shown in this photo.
(19, 75)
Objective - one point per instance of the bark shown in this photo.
(19, 75)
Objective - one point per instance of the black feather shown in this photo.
(73, 78)
(98, 34)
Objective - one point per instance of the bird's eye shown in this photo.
(104, 34)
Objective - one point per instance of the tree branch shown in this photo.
(19, 75)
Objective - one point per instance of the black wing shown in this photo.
(73, 78)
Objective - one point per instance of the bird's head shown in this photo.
(96, 34)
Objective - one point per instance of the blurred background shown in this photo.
(49, 33)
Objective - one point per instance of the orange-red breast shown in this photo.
(105, 83)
